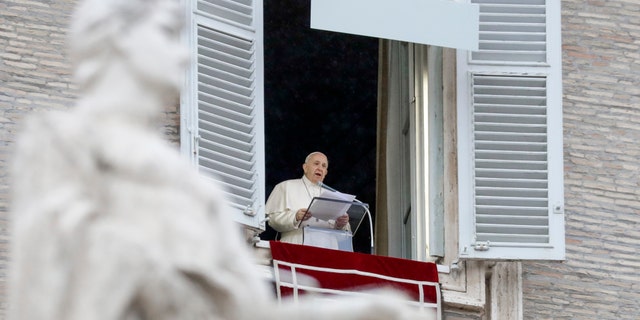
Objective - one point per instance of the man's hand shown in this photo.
(302, 214)
(342, 221)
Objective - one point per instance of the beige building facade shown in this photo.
(601, 127)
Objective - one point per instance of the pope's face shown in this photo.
(316, 168)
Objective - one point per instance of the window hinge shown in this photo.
(482, 245)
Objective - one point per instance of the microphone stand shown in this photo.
(366, 210)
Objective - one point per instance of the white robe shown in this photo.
(285, 200)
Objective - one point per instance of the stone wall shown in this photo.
(601, 75)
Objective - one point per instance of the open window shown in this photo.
(509, 126)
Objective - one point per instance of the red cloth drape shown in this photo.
(388, 266)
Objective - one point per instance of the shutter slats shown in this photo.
(514, 47)
(509, 174)
(510, 2)
(241, 160)
(237, 11)
(509, 146)
(212, 69)
(488, 118)
(508, 7)
(515, 137)
(222, 117)
(507, 220)
(511, 183)
(230, 175)
(225, 166)
(512, 192)
(507, 56)
(512, 18)
(510, 127)
(535, 31)
(216, 69)
(236, 48)
(511, 31)
(499, 98)
(513, 238)
(511, 109)
(501, 230)
(511, 155)
(487, 211)
(510, 158)
(218, 135)
(235, 110)
(514, 36)
(212, 94)
(225, 66)
(224, 89)
(512, 164)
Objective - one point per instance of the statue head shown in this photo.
(142, 34)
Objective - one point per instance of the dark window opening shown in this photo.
(320, 95)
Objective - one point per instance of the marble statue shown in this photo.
(108, 221)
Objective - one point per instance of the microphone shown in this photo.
(322, 185)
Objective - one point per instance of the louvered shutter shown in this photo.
(510, 134)
(226, 82)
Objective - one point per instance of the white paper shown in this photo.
(330, 210)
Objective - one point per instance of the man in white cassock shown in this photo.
(287, 205)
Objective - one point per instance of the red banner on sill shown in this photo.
(358, 271)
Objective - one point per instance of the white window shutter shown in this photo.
(511, 201)
(224, 101)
